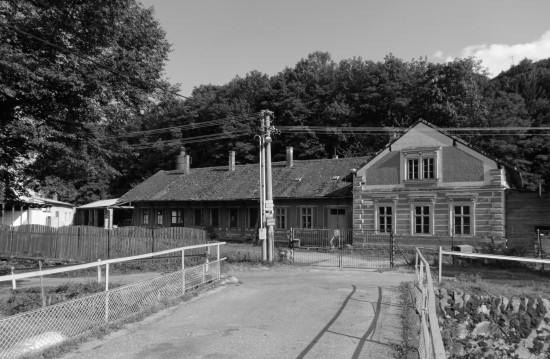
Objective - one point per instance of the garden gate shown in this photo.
(343, 248)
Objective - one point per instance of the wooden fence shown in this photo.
(83, 243)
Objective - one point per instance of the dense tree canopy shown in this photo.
(84, 113)
(69, 72)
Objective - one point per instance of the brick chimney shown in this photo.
(183, 161)
(231, 161)
(289, 156)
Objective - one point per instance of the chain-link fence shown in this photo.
(430, 342)
(35, 330)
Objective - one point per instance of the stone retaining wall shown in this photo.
(493, 327)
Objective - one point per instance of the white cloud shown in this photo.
(499, 57)
(438, 54)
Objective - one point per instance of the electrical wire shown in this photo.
(191, 126)
(188, 140)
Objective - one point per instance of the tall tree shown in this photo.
(68, 70)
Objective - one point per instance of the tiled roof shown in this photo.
(306, 179)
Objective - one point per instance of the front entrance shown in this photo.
(343, 248)
(336, 218)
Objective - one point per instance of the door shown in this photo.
(337, 218)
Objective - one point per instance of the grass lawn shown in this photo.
(475, 278)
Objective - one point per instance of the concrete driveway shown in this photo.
(272, 314)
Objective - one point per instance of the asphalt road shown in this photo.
(271, 314)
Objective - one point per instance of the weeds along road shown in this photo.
(271, 314)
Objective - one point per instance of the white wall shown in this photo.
(58, 216)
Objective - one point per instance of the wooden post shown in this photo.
(440, 263)
(107, 294)
(183, 271)
(41, 285)
(152, 240)
(13, 284)
(99, 272)
(108, 244)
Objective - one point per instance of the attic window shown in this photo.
(335, 178)
(297, 179)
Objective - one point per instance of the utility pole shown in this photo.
(267, 190)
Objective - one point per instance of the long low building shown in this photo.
(424, 183)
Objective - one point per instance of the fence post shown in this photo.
(440, 263)
(11, 240)
(108, 244)
(99, 272)
(13, 285)
(218, 260)
(391, 250)
(107, 293)
(183, 271)
(152, 240)
(78, 244)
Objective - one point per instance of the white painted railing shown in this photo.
(486, 256)
(430, 343)
(14, 277)
(27, 332)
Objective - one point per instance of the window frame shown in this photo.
(180, 213)
(215, 225)
(283, 215)
(201, 217)
(229, 217)
(144, 216)
(472, 216)
(159, 214)
(431, 224)
(378, 217)
(249, 224)
(302, 215)
(421, 164)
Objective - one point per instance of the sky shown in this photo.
(213, 41)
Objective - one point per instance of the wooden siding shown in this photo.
(525, 211)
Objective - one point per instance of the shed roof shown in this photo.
(305, 179)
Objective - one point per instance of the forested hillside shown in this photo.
(351, 93)
(85, 111)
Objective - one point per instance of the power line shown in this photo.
(190, 126)
(188, 140)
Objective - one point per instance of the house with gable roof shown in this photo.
(429, 183)
(306, 194)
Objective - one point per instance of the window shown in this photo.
(197, 217)
(413, 169)
(422, 220)
(159, 217)
(428, 168)
(306, 217)
(252, 217)
(280, 218)
(233, 217)
(421, 165)
(337, 211)
(215, 217)
(144, 216)
(385, 219)
(177, 218)
(462, 220)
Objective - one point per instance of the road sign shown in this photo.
(268, 205)
(270, 221)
